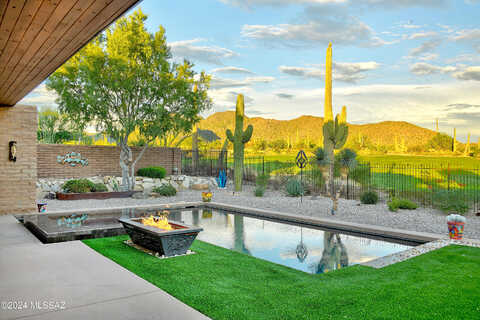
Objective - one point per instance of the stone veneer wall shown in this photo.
(102, 160)
(18, 179)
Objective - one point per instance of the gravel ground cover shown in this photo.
(421, 219)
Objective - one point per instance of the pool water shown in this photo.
(303, 248)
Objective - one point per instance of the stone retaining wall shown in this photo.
(145, 185)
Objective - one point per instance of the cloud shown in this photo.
(417, 103)
(387, 4)
(469, 73)
(422, 69)
(220, 83)
(197, 53)
(425, 47)
(465, 57)
(254, 112)
(263, 79)
(393, 4)
(421, 35)
(313, 33)
(285, 96)
(232, 70)
(342, 71)
(410, 26)
(276, 3)
(460, 72)
(456, 106)
(470, 37)
(40, 97)
(428, 57)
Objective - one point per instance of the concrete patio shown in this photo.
(78, 282)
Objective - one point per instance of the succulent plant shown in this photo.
(239, 138)
(454, 142)
(335, 132)
(456, 218)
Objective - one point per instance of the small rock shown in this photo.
(200, 186)
(139, 195)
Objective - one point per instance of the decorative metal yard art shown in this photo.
(72, 159)
(301, 250)
(301, 160)
(222, 179)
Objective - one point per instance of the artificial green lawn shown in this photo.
(223, 284)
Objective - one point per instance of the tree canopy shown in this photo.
(125, 80)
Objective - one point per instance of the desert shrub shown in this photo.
(166, 190)
(347, 158)
(294, 187)
(369, 197)
(450, 201)
(397, 203)
(360, 174)
(152, 172)
(259, 191)
(99, 187)
(262, 180)
(78, 186)
(319, 155)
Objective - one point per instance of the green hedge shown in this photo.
(152, 172)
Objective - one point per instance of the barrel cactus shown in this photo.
(239, 138)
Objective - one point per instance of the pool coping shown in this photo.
(422, 242)
(353, 228)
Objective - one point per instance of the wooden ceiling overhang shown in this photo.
(38, 36)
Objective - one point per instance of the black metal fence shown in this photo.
(204, 163)
(419, 183)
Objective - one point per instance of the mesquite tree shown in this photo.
(125, 80)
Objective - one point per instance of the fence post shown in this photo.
(263, 165)
(348, 186)
(448, 176)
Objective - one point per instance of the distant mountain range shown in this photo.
(309, 128)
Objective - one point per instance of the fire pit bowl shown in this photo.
(166, 242)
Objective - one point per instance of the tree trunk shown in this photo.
(126, 160)
(195, 155)
(332, 192)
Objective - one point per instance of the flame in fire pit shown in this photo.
(158, 222)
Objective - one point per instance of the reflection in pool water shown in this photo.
(303, 248)
(306, 249)
(72, 221)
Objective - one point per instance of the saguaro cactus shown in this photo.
(467, 146)
(239, 138)
(335, 133)
(454, 142)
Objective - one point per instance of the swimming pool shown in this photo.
(304, 248)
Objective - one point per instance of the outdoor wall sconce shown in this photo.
(12, 151)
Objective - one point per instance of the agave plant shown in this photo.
(456, 218)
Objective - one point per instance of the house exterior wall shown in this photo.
(18, 179)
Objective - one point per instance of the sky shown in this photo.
(400, 60)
